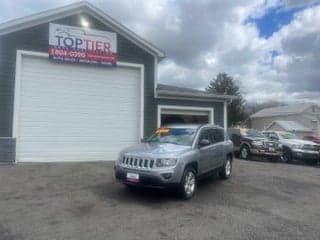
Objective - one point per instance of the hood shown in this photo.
(297, 141)
(257, 138)
(155, 150)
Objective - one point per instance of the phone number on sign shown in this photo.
(67, 53)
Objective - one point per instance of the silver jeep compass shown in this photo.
(176, 156)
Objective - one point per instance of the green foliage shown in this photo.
(225, 84)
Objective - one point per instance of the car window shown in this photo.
(273, 136)
(179, 136)
(251, 133)
(217, 135)
(205, 134)
(287, 135)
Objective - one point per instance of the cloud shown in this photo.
(205, 37)
(299, 47)
(298, 3)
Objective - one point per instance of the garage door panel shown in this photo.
(65, 146)
(76, 112)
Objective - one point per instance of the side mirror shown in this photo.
(204, 142)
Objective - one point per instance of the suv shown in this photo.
(293, 147)
(176, 156)
(249, 142)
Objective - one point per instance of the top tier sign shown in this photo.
(82, 45)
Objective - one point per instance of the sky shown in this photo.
(270, 47)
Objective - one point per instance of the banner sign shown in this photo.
(82, 45)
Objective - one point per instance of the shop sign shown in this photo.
(82, 45)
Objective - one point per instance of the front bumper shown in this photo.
(305, 154)
(264, 152)
(164, 178)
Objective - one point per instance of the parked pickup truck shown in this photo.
(293, 147)
(248, 142)
(176, 156)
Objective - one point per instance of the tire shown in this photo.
(287, 155)
(226, 170)
(245, 152)
(188, 183)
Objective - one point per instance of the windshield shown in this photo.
(179, 136)
(288, 136)
(252, 133)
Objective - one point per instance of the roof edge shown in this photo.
(305, 129)
(273, 115)
(203, 96)
(76, 8)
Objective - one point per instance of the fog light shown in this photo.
(167, 175)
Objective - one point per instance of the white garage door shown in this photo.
(69, 112)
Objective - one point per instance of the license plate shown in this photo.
(271, 149)
(133, 177)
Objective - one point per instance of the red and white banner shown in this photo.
(82, 45)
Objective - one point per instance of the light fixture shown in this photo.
(84, 23)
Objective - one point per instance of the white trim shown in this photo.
(190, 99)
(155, 82)
(17, 91)
(78, 8)
(225, 115)
(189, 108)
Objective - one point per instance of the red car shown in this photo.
(312, 138)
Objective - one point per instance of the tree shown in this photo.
(225, 84)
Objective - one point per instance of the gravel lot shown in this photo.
(83, 201)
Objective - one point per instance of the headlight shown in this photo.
(257, 143)
(297, 146)
(166, 162)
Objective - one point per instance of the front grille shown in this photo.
(271, 144)
(139, 163)
(311, 147)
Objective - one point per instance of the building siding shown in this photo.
(36, 39)
(7, 149)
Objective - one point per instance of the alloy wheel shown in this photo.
(189, 183)
(228, 168)
(244, 153)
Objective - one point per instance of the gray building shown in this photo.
(304, 115)
(289, 126)
(76, 85)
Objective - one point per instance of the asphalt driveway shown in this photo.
(83, 201)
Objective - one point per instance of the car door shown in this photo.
(218, 148)
(205, 163)
(236, 139)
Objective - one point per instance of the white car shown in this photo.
(294, 147)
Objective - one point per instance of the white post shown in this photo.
(225, 114)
